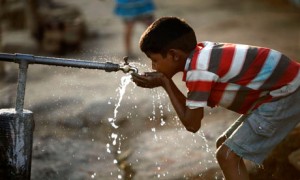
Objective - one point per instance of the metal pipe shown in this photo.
(23, 66)
(16, 132)
(30, 59)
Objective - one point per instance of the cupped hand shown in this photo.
(148, 79)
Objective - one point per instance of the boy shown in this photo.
(260, 83)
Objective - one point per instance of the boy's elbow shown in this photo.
(192, 120)
(193, 129)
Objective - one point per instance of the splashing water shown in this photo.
(114, 137)
(108, 148)
(125, 80)
(93, 175)
(157, 104)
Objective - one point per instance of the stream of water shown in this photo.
(125, 80)
(115, 139)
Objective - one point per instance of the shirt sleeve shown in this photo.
(199, 84)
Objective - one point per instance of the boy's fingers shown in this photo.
(140, 77)
(146, 80)
(136, 75)
(140, 81)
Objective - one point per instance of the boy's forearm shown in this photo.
(191, 119)
(176, 97)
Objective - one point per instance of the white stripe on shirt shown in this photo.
(266, 70)
(187, 64)
(195, 104)
(204, 56)
(198, 75)
(229, 95)
(237, 62)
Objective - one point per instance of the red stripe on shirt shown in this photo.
(255, 67)
(204, 86)
(226, 59)
(217, 93)
(249, 102)
(289, 74)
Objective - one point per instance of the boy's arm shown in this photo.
(190, 118)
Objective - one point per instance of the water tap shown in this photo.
(126, 68)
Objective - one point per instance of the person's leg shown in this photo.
(257, 135)
(232, 165)
(220, 141)
(230, 130)
(148, 20)
(128, 36)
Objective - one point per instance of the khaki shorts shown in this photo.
(253, 136)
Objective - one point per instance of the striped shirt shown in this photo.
(238, 77)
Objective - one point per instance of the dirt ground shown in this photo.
(263, 23)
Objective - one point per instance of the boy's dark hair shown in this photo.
(168, 33)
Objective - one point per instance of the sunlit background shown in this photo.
(91, 124)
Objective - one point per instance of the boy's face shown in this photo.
(162, 64)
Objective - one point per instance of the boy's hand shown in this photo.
(148, 79)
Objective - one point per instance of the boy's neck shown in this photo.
(183, 58)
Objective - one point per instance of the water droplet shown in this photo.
(114, 137)
(162, 122)
(93, 175)
(107, 148)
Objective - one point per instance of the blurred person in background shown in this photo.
(132, 12)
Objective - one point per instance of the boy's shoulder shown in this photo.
(237, 47)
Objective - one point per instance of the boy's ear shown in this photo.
(174, 53)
